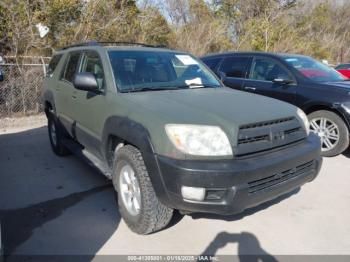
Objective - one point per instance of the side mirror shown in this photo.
(2, 77)
(86, 82)
(282, 81)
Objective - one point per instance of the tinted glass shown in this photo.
(93, 64)
(71, 67)
(314, 70)
(53, 64)
(343, 66)
(235, 66)
(212, 62)
(134, 70)
(267, 70)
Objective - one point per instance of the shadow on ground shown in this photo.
(249, 248)
(347, 153)
(18, 225)
(50, 205)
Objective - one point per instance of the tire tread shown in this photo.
(154, 215)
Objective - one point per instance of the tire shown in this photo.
(152, 215)
(341, 131)
(56, 140)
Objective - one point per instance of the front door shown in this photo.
(90, 108)
(262, 80)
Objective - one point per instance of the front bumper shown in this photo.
(239, 183)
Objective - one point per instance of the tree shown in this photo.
(154, 27)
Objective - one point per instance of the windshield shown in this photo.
(149, 70)
(313, 69)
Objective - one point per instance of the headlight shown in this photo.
(304, 118)
(199, 140)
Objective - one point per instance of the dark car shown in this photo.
(322, 92)
(344, 69)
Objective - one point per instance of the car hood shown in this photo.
(211, 106)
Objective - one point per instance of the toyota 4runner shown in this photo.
(162, 127)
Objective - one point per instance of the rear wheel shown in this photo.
(138, 204)
(56, 137)
(332, 131)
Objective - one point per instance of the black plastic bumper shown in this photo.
(234, 185)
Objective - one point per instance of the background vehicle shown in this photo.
(170, 136)
(344, 69)
(320, 91)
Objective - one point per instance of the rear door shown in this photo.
(263, 72)
(65, 90)
(233, 70)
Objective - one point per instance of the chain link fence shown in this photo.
(21, 89)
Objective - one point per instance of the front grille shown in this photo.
(267, 123)
(259, 185)
(262, 136)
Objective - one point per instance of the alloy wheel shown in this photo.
(53, 133)
(327, 130)
(130, 190)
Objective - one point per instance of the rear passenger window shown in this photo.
(212, 62)
(52, 65)
(71, 67)
(235, 66)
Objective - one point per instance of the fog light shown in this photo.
(193, 193)
(215, 194)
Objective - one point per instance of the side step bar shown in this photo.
(85, 155)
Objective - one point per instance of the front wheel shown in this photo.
(138, 204)
(332, 131)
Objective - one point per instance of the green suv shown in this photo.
(161, 126)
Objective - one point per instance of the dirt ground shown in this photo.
(11, 125)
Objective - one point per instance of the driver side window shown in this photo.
(265, 69)
(93, 64)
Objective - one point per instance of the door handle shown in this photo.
(74, 95)
(249, 88)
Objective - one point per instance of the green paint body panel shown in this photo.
(221, 107)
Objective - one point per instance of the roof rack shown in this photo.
(95, 43)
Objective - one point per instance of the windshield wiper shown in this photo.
(149, 88)
(164, 88)
(194, 85)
